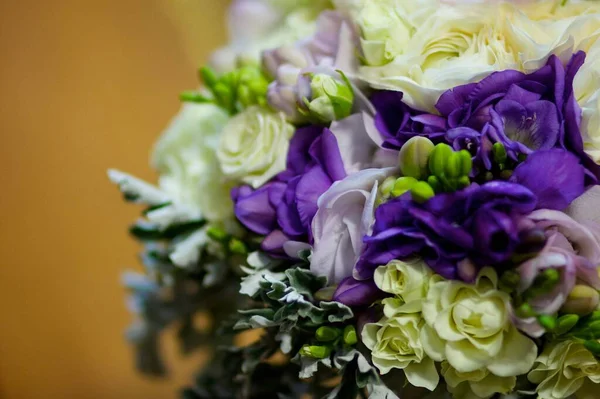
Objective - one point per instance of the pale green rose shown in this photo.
(254, 145)
(563, 369)
(477, 384)
(469, 326)
(408, 280)
(185, 157)
(458, 44)
(395, 344)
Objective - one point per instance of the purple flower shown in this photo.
(397, 122)
(555, 176)
(481, 223)
(283, 209)
(524, 112)
(352, 292)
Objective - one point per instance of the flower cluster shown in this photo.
(430, 167)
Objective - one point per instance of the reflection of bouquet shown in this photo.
(402, 193)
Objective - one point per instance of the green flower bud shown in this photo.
(525, 311)
(387, 186)
(421, 192)
(193, 97)
(317, 352)
(510, 278)
(548, 322)
(499, 153)
(453, 165)
(506, 174)
(434, 182)
(565, 323)
(350, 337)
(332, 99)
(593, 346)
(217, 234)
(594, 329)
(414, 156)
(402, 185)
(251, 86)
(208, 76)
(439, 158)
(325, 294)
(582, 300)
(327, 334)
(594, 316)
(237, 247)
(464, 182)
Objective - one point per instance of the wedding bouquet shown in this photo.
(400, 196)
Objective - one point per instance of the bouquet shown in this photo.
(400, 197)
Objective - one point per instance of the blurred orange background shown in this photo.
(85, 85)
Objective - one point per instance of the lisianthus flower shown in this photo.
(477, 384)
(524, 112)
(469, 326)
(283, 209)
(563, 369)
(395, 344)
(480, 223)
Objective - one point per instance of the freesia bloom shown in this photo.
(469, 326)
(345, 215)
(186, 161)
(480, 223)
(562, 369)
(395, 343)
(331, 47)
(254, 145)
(477, 384)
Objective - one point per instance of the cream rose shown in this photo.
(457, 44)
(562, 369)
(586, 86)
(408, 280)
(469, 326)
(478, 384)
(395, 343)
(254, 146)
(186, 161)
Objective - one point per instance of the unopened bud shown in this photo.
(402, 185)
(414, 157)
(327, 334)
(314, 351)
(332, 98)
(350, 337)
(582, 300)
(421, 192)
(439, 158)
(565, 323)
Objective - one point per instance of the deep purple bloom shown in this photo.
(524, 112)
(555, 176)
(397, 122)
(352, 292)
(480, 223)
(283, 209)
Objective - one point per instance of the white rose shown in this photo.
(395, 343)
(408, 280)
(254, 146)
(186, 160)
(459, 44)
(587, 93)
(469, 326)
(563, 369)
(478, 384)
